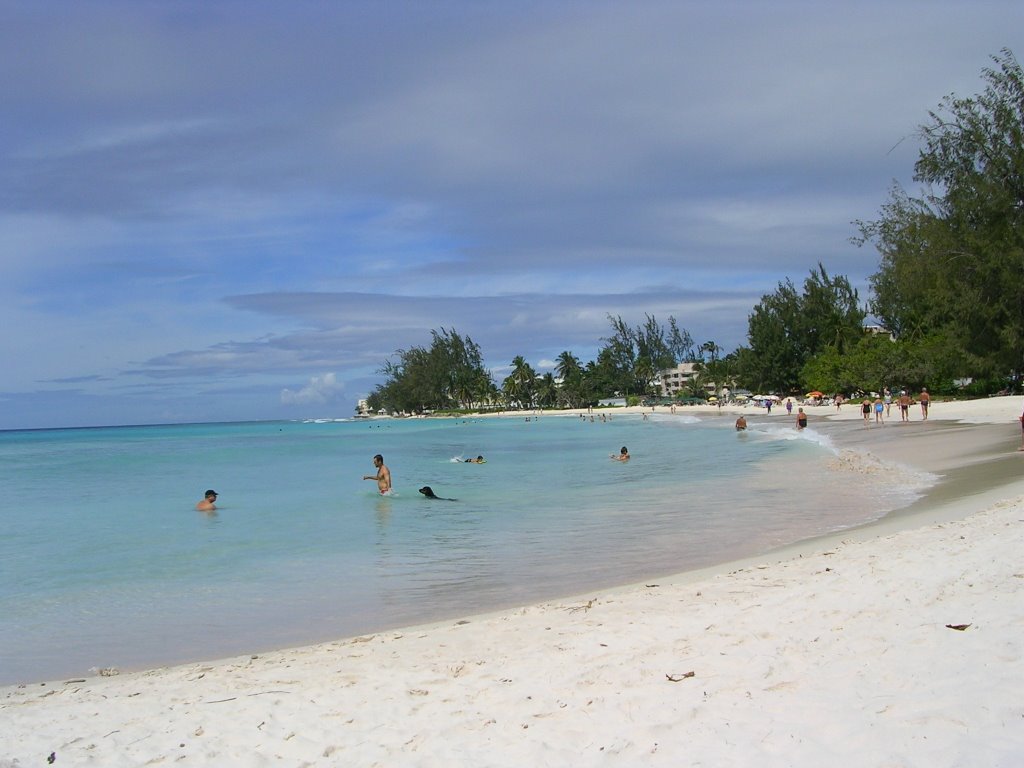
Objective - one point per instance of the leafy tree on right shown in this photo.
(952, 260)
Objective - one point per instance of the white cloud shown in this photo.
(319, 391)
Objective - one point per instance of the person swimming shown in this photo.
(477, 460)
(623, 455)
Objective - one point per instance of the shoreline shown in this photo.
(840, 637)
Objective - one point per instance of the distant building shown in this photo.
(362, 408)
(674, 380)
(880, 330)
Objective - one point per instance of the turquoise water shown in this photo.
(105, 562)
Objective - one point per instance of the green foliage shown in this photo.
(575, 390)
(876, 363)
(449, 374)
(951, 275)
(632, 358)
(520, 387)
(787, 329)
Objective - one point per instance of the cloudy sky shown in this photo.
(240, 209)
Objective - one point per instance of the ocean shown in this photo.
(104, 561)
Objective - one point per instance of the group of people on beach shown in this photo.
(883, 404)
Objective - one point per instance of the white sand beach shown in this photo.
(896, 644)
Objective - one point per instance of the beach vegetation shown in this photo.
(574, 390)
(520, 386)
(632, 358)
(450, 373)
(951, 275)
(790, 327)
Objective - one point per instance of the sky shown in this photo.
(227, 210)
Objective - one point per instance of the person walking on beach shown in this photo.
(925, 399)
(208, 504)
(383, 476)
(879, 407)
(865, 408)
(888, 401)
(801, 420)
(904, 405)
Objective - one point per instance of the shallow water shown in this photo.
(104, 561)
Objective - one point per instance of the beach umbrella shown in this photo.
(815, 393)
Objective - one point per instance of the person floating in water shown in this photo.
(623, 454)
(477, 460)
(208, 504)
(741, 424)
(427, 491)
(383, 476)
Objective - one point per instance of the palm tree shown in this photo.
(547, 391)
(520, 385)
(568, 365)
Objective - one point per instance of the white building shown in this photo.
(673, 380)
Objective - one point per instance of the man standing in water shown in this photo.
(208, 504)
(801, 420)
(383, 476)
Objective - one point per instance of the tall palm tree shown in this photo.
(520, 385)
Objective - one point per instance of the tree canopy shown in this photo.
(788, 328)
(448, 374)
(952, 259)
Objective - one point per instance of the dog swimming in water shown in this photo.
(427, 491)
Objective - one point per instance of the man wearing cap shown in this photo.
(207, 504)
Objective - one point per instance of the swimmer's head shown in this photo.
(427, 491)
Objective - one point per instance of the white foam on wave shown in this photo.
(678, 420)
(780, 432)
